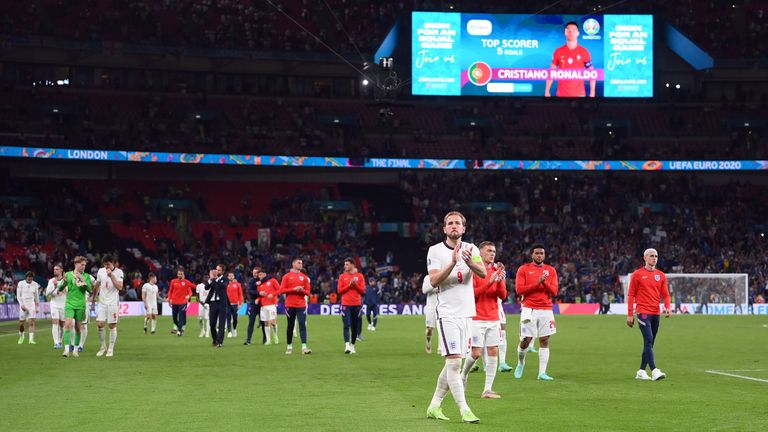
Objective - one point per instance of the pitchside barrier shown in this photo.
(11, 311)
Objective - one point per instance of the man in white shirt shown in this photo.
(109, 283)
(450, 265)
(27, 294)
(203, 310)
(430, 312)
(149, 297)
(57, 301)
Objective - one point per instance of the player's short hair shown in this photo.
(29, 274)
(58, 264)
(573, 23)
(296, 258)
(107, 259)
(223, 267)
(150, 275)
(180, 269)
(648, 251)
(486, 243)
(78, 259)
(537, 246)
(257, 269)
(349, 260)
(455, 213)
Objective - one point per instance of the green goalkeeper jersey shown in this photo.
(76, 290)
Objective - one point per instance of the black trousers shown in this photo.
(232, 316)
(254, 310)
(294, 314)
(218, 314)
(352, 318)
(179, 315)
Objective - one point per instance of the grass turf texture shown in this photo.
(164, 382)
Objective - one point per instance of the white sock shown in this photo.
(112, 338)
(468, 363)
(521, 355)
(83, 334)
(441, 390)
(31, 336)
(543, 360)
(154, 324)
(490, 372)
(455, 383)
(503, 347)
(268, 333)
(101, 337)
(55, 331)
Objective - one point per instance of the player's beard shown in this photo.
(537, 262)
(454, 235)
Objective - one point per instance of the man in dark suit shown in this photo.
(219, 303)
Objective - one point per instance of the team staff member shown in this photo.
(647, 285)
(296, 287)
(178, 297)
(235, 294)
(351, 287)
(218, 302)
(254, 306)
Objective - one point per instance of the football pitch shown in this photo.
(169, 383)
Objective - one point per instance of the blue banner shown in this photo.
(628, 46)
(380, 163)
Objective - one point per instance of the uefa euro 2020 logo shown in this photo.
(591, 26)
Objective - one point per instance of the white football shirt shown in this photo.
(109, 295)
(202, 293)
(27, 292)
(58, 298)
(455, 295)
(150, 293)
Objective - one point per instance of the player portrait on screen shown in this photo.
(571, 56)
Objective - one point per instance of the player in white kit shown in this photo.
(451, 264)
(57, 301)
(430, 313)
(109, 283)
(27, 293)
(203, 310)
(149, 297)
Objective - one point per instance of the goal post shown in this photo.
(705, 293)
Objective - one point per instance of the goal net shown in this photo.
(705, 293)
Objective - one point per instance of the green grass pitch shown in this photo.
(167, 383)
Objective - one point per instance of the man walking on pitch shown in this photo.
(268, 295)
(149, 297)
(217, 299)
(254, 307)
(451, 264)
(109, 283)
(203, 310)
(372, 294)
(430, 312)
(235, 295)
(296, 286)
(57, 300)
(536, 283)
(647, 285)
(28, 296)
(351, 287)
(77, 283)
(179, 292)
(485, 326)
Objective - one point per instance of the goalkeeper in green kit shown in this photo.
(77, 283)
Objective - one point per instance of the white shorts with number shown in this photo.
(152, 309)
(204, 312)
(430, 317)
(542, 323)
(268, 313)
(108, 313)
(57, 312)
(485, 333)
(30, 313)
(454, 336)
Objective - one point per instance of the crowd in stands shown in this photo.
(595, 228)
(499, 129)
(730, 28)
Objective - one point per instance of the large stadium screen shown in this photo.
(470, 54)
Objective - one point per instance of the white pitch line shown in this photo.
(736, 376)
(744, 370)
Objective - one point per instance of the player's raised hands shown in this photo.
(466, 255)
(456, 252)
